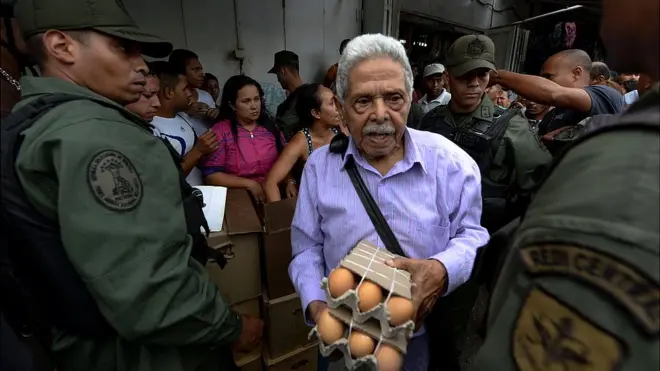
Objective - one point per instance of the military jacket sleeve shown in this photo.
(523, 155)
(114, 191)
(581, 288)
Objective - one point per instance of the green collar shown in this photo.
(32, 87)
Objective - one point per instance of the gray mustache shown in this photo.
(386, 128)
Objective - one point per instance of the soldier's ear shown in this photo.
(60, 46)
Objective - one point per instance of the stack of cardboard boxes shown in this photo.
(256, 282)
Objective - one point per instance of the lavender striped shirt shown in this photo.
(431, 199)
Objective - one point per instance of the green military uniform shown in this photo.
(98, 171)
(516, 154)
(287, 118)
(517, 157)
(510, 157)
(581, 287)
(415, 115)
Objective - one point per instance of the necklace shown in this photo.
(10, 79)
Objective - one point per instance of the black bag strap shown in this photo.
(339, 145)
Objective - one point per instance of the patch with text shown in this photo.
(639, 294)
(550, 336)
(114, 181)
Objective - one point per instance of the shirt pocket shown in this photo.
(426, 239)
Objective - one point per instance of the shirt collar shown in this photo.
(411, 155)
(438, 99)
(35, 86)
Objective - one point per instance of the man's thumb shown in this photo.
(399, 263)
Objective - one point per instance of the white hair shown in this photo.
(370, 46)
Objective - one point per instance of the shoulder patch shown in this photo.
(114, 181)
(637, 293)
(549, 335)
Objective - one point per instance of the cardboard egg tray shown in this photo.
(370, 328)
(367, 260)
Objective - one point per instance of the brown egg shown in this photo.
(330, 329)
(361, 344)
(340, 280)
(401, 310)
(388, 358)
(369, 295)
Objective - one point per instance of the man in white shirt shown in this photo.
(171, 124)
(202, 110)
(437, 95)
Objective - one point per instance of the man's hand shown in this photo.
(257, 192)
(315, 309)
(251, 335)
(198, 110)
(207, 143)
(494, 78)
(291, 189)
(429, 279)
(212, 113)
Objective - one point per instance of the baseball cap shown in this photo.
(284, 58)
(470, 52)
(433, 69)
(105, 16)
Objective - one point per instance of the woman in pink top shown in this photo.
(250, 143)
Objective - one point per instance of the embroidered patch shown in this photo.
(475, 48)
(485, 112)
(639, 294)
(550, 336)
(114, 181)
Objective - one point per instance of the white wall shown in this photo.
(214, 29)
(311, 28)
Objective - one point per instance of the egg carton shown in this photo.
(368, 261)
(369, 328)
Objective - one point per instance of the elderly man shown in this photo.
(436, 221)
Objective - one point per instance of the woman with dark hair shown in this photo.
(212, 86)
(319, 122)
(250, 143)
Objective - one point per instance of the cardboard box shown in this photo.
(249, 361)
(302, 359)
(276, 254)
(286, 329)
(240, 280)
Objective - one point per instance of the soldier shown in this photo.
(581, 288)
(508, 154)
(505, 148)
(99, 222)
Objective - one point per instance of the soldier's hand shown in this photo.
(429, 279)
(257, 192)
(198, 110)
(207, 143)
(250, 335)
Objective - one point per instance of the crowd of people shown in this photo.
(539, 192)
